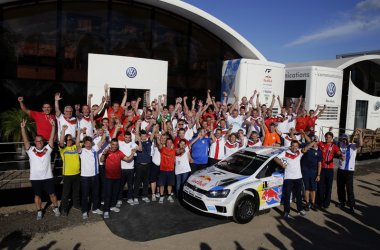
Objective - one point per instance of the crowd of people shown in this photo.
(108, 146)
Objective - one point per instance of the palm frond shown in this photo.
(10, 125)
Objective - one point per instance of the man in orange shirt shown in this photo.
(302, 120)
(166, 176)
(271, 137)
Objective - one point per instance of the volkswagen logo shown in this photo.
(131, 72)
(331, 89)
(377, 106)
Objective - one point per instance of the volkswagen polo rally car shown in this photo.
(237, 186)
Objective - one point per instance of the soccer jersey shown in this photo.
(230, 147)
(39, 160)
(271, 138)
(236, 123)
(329, 150)
(252, 143)
(70, 159)
(293, 164)
(217, 149)
(199, 150)
(42, 123)
(182, 163)
(288, 139)
(112, 164)
(89, 161)
(349, 151)
(85, 122)
(126, 148)
(167, 159)
(71, 126)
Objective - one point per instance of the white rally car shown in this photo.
(238, 186)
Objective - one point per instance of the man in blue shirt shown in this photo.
(311, 165)
(199, 151)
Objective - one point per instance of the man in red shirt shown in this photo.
(112, 158)
(166, 176)
(329, 151)
(42, 119)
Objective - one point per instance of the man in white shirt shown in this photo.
(89, 172)
(235, 120)
(128, 147)
(345, 175)
(290, 160)
(41, 175)
(216, 152)
(65, 119)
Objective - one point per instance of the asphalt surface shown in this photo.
(328, 229)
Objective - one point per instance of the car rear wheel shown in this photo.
(245, 209)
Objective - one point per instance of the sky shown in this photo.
(297, 30)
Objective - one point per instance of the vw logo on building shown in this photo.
(331, 88)
(131, 72)
(377, 106)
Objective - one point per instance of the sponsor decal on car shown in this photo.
(202, 180)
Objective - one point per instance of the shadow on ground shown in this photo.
(152, 221)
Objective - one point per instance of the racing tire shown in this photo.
(245, 209)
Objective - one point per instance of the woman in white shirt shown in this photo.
(182, 165)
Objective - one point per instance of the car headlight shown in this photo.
(218, 193)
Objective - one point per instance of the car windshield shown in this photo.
(242, 162)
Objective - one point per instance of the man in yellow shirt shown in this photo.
(70, 171)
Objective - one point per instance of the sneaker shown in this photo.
(302, 213)
(39, 215)
(307, 207)
(170, 198)
(340, 205)
(56, 211)
(106, 215)
(161, 200)
(154, 197)
(146, 199)
(136, 201)
(85, 216)
(286, 216)
(119, 203)
(102, 203)
(158, 195)
(314, 207)
(130, 202)
(115, 209)
(97, 211)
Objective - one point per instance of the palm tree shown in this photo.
(10, 126)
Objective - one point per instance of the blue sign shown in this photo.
(131, 72)
(331, 88)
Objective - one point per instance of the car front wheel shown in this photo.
(245, 209)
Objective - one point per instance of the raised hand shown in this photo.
(90, 96)
(77, 106)
(64, 127)
(20, 99)
(23, 123)
(57, 97)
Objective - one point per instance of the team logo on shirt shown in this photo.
(331, 88)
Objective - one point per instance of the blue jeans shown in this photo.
(180, 181)
(90, 185)
(295, 186)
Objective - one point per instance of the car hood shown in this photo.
(213, 178)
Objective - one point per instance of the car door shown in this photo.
(270, 189)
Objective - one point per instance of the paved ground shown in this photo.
(334, 228)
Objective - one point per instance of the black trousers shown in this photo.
(292, 186)
(126, 177)
(111, 191)
(142, 175)
(102, 180)
(90, 185)
(325, 186)
(345, 185)
(71, 187)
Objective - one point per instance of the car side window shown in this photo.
(269, 169)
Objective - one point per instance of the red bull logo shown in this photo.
(202, 180)
(271, 196)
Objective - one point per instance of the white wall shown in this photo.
(151, 74)
(373, 115)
